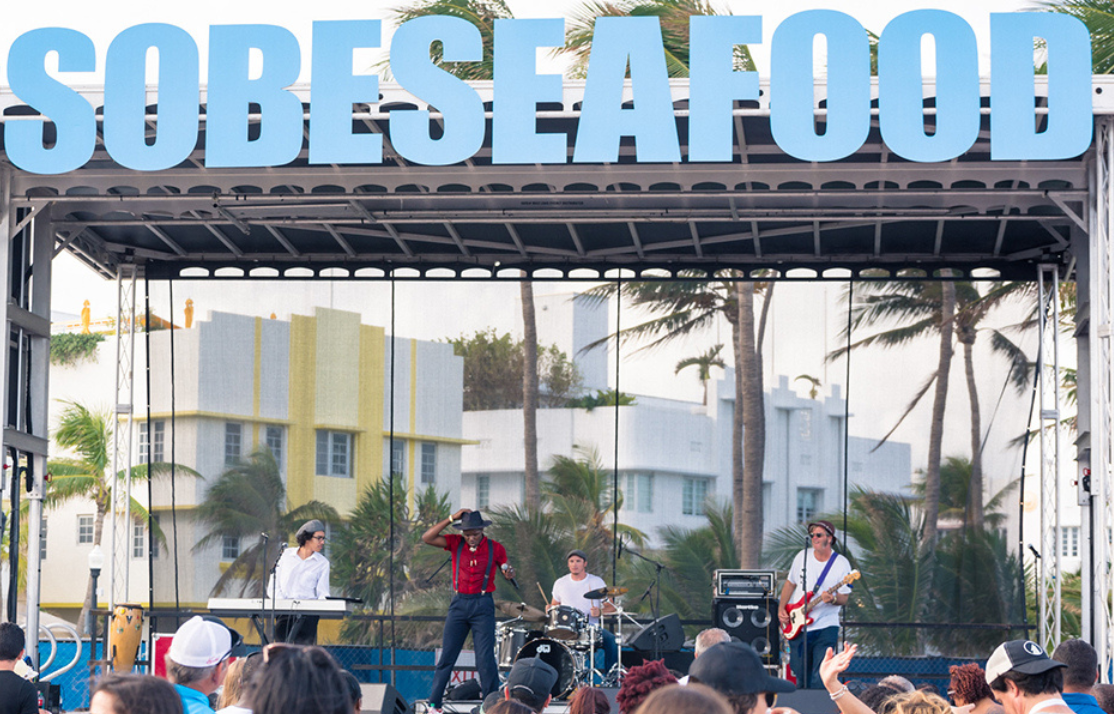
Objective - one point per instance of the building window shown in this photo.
(233, 442)
(229, 547)
(84, 530)
(159, 428)
(639, 496)
(693, 496)
(398, 459)
(334, 453)
(429, 463)
(274, 443)
(42, 541)
(808, 504)
(483, 490)
(139, 540)
(1069, 541)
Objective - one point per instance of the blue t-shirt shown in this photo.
(1082, 703)
(193, 701)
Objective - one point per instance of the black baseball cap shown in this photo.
(736, 668)
(1023, 656)
(533, 674)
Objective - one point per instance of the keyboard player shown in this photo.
(302, 574)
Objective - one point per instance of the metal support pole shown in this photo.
(1048, 365)
(1100, 401)
(120, 519)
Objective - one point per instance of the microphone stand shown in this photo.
(806, 664)
(655, 604)
(263, 577)
(274, 595)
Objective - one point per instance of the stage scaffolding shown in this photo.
(867, 217)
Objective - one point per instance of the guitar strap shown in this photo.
(824, 572)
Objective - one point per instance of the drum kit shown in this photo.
(563, 638)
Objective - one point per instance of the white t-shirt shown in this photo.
(824, 614)
(307, 579)
(571, 592)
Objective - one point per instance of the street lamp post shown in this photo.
(96, 562)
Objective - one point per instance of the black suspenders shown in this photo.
(489, 574)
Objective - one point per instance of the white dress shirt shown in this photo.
(306, 579)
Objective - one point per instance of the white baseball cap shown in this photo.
(200, 643)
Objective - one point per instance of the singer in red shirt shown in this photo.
(476, 558)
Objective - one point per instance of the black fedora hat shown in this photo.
(472, 520)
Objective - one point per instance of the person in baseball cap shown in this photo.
(735, 670)
(1025, 679)
(302, 573)
(198, 661)
(531, 682)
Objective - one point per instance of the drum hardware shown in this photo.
(565, 623)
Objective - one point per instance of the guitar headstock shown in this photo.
(852, 577)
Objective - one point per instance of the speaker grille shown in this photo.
(753, 621)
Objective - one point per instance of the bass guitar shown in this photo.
(798, 611)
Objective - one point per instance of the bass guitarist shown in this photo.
(814, 570)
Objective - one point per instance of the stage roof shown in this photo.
(872, 211)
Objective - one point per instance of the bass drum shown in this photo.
(557, 656)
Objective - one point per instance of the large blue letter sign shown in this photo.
(900, 86)
(715, 85)
(74, 123)
(603, 120)
(227, 143)
(462, 112)
(791, 86)
(125, 97)
(1013, 125)
(335, 89)
(519, 89)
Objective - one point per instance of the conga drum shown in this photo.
(124, 636)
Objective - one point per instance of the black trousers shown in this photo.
(296, 629)
(475, 613)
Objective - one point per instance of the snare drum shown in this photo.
(557, 656)
(565, 623)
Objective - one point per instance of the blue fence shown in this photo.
(414, 685)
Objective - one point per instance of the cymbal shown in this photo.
(605, 592)
(520, 609)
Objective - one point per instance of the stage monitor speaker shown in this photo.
(753, 622)
(382, 699)
(665, 631)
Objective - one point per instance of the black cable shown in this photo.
(847, 419)
(615, 440)
(1021, 485)
(173, 452)
(391, 482)
(150, 452)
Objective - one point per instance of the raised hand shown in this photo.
(834, 664)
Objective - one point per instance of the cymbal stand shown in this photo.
(618, 671)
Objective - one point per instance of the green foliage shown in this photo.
(493, 367)
(1098, 16)
(481, 13)
(69, 348)
(248, 499)
(602, 398)
(362, 551)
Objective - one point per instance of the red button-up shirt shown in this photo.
(469, 572)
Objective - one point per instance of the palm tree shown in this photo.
(1098, 16)
(683, 307)
(248, 499)
(704, 363)
(956, 483)
(483, 14)
(87, 433)
(363, 553)
(674, 18)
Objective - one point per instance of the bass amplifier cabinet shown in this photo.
(753, 621)
(747, 584)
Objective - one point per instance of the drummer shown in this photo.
(570, 589)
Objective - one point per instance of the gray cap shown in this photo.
(310, 527)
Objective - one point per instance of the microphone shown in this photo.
(264, 536)
(504, 567)
(1035, 553)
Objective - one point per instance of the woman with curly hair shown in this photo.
(639, 682)
(969, 687)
